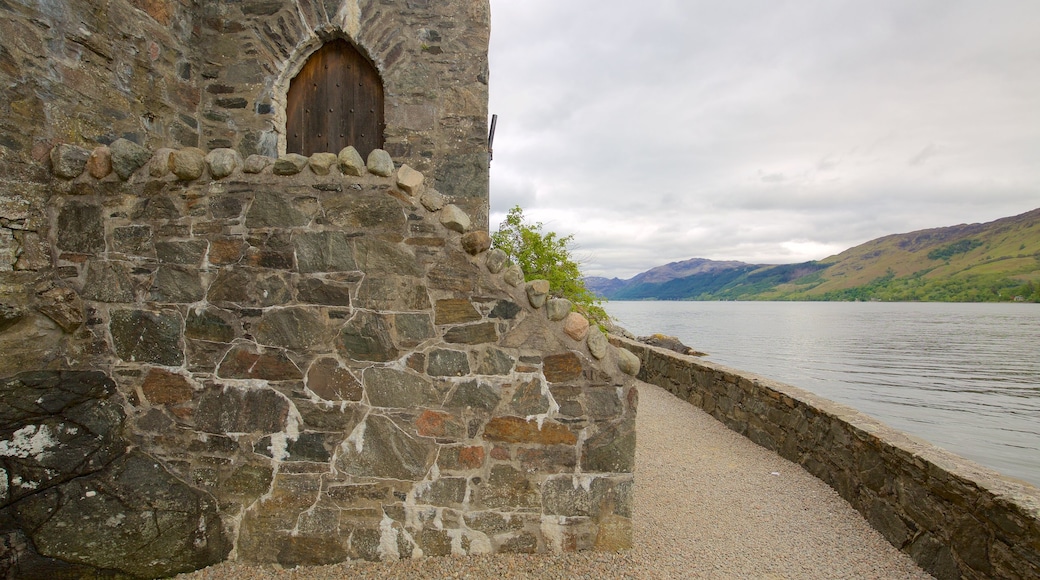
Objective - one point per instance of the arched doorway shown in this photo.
(336, 100)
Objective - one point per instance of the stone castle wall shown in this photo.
(298, 361)
(955, 518)
(214, 74)
(432, 56)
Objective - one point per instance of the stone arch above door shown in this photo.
(336, 100)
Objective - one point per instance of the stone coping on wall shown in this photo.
(955, 517)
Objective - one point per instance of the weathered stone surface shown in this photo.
(370, 209)
(246, 287)
(492, 523)
(537, 292)
(322, 163)
(223, 162)
(493, 361)
(312, 447)
(453, 218)
(256, 163)
(290, 164)
(513, 275)
(597, 343)
(57, 426)
(324, 251)
(189, 253)
(99, 164)
(603, 402)
(380, 163)
(507, 487)
(177, 284)
(454, 273)
(461, 458)
(455, 311)
(505, 310)
(80, 228)
(628, 363)
(228, 409)
(476, 242)
(530, 398)
(576, 326)
(246, 362)
(271, 249)
(328, 379)
(338, 418)
(160, 207)
(297, 329)
(496, 260)
(440, 425)
(144, 336)
(447, 363)
(480, 333)
(366, 337)
(127, 157)
(446, 491)
(394, 388)
(557, 309)
(274, 210)
(63, 306)
(159, 164)
(520, 430)
(533, 335)
(350, 162)
(411, 329)
(669, 342)
(393, 293)
(318, 291)
(432, 200)
(83, 479)
(382, 449)
(165, 526)
(560, 368)
(226, 206)
(161, 387)
(561, 497)
(612, 450)
(474, 395)
(188, 164)
(409, 180)
(380, 257)
(547, 459)
(68, 161)
(226, 251)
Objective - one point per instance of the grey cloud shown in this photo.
(741, 130)
(923, 155)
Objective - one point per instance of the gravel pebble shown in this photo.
(709, 503)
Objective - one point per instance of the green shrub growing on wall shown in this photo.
(547, 256)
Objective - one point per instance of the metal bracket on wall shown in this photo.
(491, 139)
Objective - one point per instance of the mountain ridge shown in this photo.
(991, 261)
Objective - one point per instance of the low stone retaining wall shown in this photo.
(954, 517)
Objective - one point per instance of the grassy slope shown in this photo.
(977, 262)
(1006, 252)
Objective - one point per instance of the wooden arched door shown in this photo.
(336, 100)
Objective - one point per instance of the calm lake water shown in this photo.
(965, 377)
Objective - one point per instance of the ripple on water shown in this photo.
(963, 376)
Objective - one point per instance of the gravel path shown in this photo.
(709, 504)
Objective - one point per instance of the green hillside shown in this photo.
(995, 261)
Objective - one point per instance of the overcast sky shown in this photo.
(766, 131)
